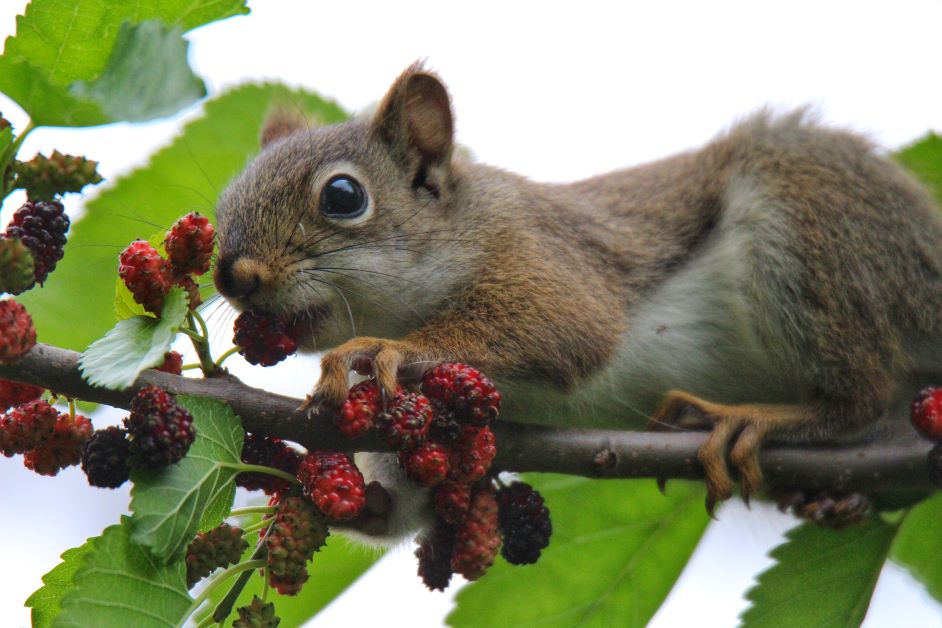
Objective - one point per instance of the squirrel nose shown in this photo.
(236, 278)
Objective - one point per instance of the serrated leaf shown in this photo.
(924, 159)
(617, 548)
(188, 174)
(119, 584)
(172, 504)
(918, 544)
(61, 43)
(124, 304)
(147, 75)
(334, 568)
(134, 344)
(46, 601)
(821, 577)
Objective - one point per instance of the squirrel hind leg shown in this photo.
(738, 429)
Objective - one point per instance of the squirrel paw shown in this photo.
(383, 359)
(737, 429)
(828, 510)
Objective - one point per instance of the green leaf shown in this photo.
(133, 345)
(147, 76)
(124, 304)
(334, 568)
(821, 577)
(62, 44)
(617, 548)
(918, 544)
(116, 583)
(46, 602)
(186, 175)
(924, 159)
(172, 504)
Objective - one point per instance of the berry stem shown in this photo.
(216, 582)
(225, 355)
(201, 343)
(204, 330)
(195, 337)
(257, 468)
(258, 525)
(190, 366)
(251, 510)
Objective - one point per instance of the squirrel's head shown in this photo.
(344, 225)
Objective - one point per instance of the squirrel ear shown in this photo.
(281, 122)
(415, 115)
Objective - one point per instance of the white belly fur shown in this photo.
(705, 331)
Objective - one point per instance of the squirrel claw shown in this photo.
(827, 510)
(737, 429)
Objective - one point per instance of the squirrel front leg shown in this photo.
(382, 358)
(508, 338)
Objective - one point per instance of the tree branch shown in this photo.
(883, 467)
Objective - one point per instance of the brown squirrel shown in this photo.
(785, 280)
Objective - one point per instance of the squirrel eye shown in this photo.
(343, 197)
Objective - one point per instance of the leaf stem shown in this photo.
(225, 605)
(257, 468)
(15, 146)
(204, 330)
(216, 582)
(225, 355)
(251, 510)
(8, 155)
(192, 334)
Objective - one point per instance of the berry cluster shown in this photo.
(220, 547)
(17, 269)
(17, 334)
(269, 452)
(149, 276)
(41, 227)
(444, 441)
(45, 177)
(333, 483)
(298, 530)
(258, 614)
(48, 440)
(14, 394)
(173, 363)
(105, 458)
(161, 431)
(264, 339)
(524, 523)
(926, 416)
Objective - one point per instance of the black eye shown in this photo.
(343, 197)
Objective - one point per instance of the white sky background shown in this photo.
(556, 91)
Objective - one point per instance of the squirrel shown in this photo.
(782, 283)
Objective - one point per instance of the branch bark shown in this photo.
(898, 468)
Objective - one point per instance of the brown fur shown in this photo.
(540, 283)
